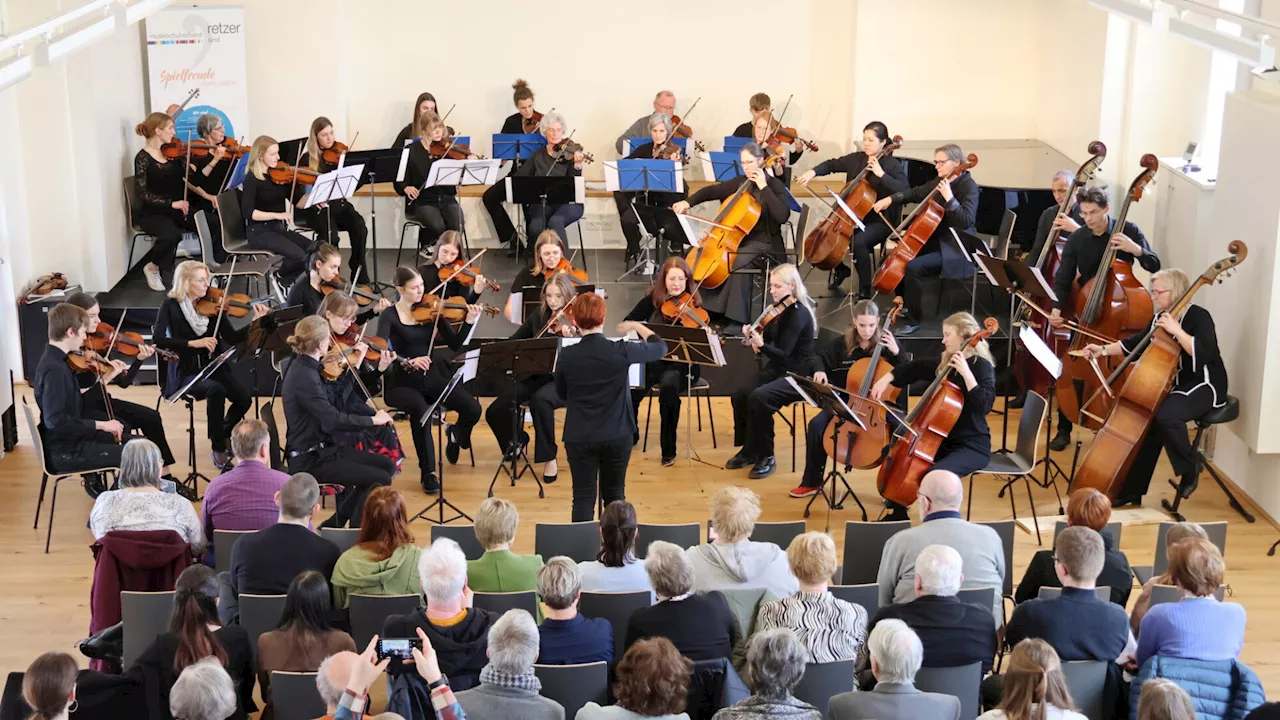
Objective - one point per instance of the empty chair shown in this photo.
(960, 682)
(778, 533)
(464, 535)
(574, 685)
(685, 535)
(1087, 681)
(295, 697)
(617, 608)
(578, 541)
(145, 616)
(367, 613)
(863, 546)
(1004, 528)
(1049, 593)
(344, 538)
(500, 602)
(822, 680)
(1113, 529)
(1011, 467)
(260, 614)
(867, 595)
(224, 541)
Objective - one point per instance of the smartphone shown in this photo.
(398, 647)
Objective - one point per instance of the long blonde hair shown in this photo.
(789, 273)
(967, 326)
(1034, 679)
(313, 143)
(427, 122)
(182, 277)
(259, 149)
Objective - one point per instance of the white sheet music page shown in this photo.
(1040, 351)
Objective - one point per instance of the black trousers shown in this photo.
(629, 220)
(495, 199)
(672, 382)
(912, 287)
(275, 237)
(436, 216)
(543, 400)
(101, 451)
(753, 410)
(131, 415)
(863, 243)
(592, 463)
(355, 470)
(1168, 431)
(415, 394)
(344, 217)
(815, 456)
(217, 390)
(167, 229)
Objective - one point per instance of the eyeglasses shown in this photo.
(942, 162)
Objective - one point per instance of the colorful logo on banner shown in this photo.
(200, 48)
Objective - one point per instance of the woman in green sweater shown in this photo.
(499, 569)
(385, 560)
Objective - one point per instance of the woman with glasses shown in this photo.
(208, 175)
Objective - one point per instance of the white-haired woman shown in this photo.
(508, 688)
(554, 160)
(141, 504)
(699, 625)
(203, 692)
(659, 147)
(830, 629)
(731, 560)
(775, 664)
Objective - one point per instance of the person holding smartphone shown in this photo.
(366, 667)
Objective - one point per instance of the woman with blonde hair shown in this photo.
(731, 559)
(968, 446)
(1034, 686)
(268, 209)
(165, 213)
(435, 208)
(327, 219)
(829, 628)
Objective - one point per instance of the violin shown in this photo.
(925, 427)
(376, 345)
(466, 276)
(576, 276)
(284, 174)
(531, 123)
(236, 305)
(771, 313)
(563, 322)
(683, 310)
(181, 148)
(332, 154)
(46, 284)
(177, 109)
(864, 449)
(453, 309)
(680, 130)
(107, 338)
(82, 361)
(826, 245)
(565, 150)
(1155, 363)
(362, 294)
(787, 135)
(735, 219)
(449, 150)
(337, 359)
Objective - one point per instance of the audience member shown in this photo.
(1163, 699)
(335, 674)
(1085, 508)
(731, 560)
(1199, 627)
(982, 553)
(896, 653)
(615, 568)
(499, 569)
(49, 685)
(700, 626)
(1034, 686)
(458, 632)
(141, 504)
(652, 681)
(508, 688)
(775, 664)
(1179, 532)
(267, 562)
(568, 638)
(243, 498)
(356, 673)
(203, 692)
(384, 561)
(304, 638)
(829, 628)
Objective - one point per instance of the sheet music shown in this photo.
(987, 272)
(334, 185)
(579, 189)
(800, 391)
(1046, 286)
(717, 349)
(471, 333)
(470, 363)
(848, 211)
(963, 250)
(514, 311)
(611, 182)
(404, 161)
(1040, 351)
(687, 225)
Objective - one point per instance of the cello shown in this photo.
(712, 259)
(865, 449)
(1113, 304)
(926, 426)
(827, 244)
(1154, 363)
(920, 226)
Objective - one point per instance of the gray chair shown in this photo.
(863, 545)
(295, 697)
(1217, 532)
(1087, 682)
(46, 473)
(246, 268)
(961, 682)
(1050, 593)
(145, 616)
(686, 535)
(984, 596)
(866, 594)
(1004, 528)
(699, 390)
(132, 209)
(823, 680)
(260, 614)
(500, 602)
(578, 541)
(344, 538)
(224, 541)
(234, 238)
(369, 612)
(1018, 465)
(464, 535)
(617, 608)
(1161, 594)
(575, 685)
(1114, 529)
(778, 533)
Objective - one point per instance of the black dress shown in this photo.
(339, 215)
(672, 378)
(159, 185)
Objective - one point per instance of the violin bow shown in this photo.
(293, 188)
(226, 177)
(333, 340)
(222, 306)
(559, 156)
(1070, 325)
(671, 135)
(458, 271)
(186, 169)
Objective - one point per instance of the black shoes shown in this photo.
(764, 468)
(1060, 440)
(430, 485)
(94, 485)
(1018, 402)
(1188, 485)
(739, 461)
(668, 460)
(1123, 501)
(838, 276)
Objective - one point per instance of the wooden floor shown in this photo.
(44, 598)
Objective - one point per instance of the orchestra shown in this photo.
(326, 219)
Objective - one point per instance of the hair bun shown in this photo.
(140, 129)
(519, 83)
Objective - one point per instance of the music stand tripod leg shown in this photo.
(440, 502)
(510, 452)
(835, 501)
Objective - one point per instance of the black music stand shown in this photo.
(271, 333)
(664, 224)
(190, 482)
(689, 347)
(826, 398)
(379, 166)
(540, 192)
(436, 413)
(514, 361)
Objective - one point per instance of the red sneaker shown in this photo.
(803, 492)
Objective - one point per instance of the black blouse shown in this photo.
(211, 183)
(971, 428)
(747, 130)
(541, 164)
(773, 204)
(1203, 368)
(894, 180)
(1083, 254)
(173, 332)
(301, 294)
(835, 359)
(789, 340)
(310, 413)
(159, 184)
(960, 213)
(263, 195)
(415, 174)
(413, 341)
(154, 670)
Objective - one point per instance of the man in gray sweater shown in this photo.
(941, 495)
(508, 687)
(664, 102)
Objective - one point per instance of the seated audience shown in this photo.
(508, 688)
(304, 637)
(499, 569)
(194, 634)
(141, 504)
(700, 626)
(1085, 508)
(731, 560)
(243, 498)
(1163, 699)
(356, 673)
(384, 561)
(652, 681)
(1034, 686)
(775, 664)
(568, 638)
(829, 628)
(952, 632)
(203, 692)
(1179, 532)
(458, 632)
(266, 562)
(1199, 627)
(896, 654)
(982, 553)
(615, 568)
(49, 685)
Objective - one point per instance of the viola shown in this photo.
(531, 123)
(736, 218)
(452, 309)
(106, 338)
(576, 276)
(236, 305)
(826, 245)
(771, 313)
(449, 150)
(565, 150)
(684, 309)
(46, 284)
(465, 275)
(921, 224)
(681, 130)
(336, 360)
(864, 449)
(930, 421)
(284, 174)
(362, 294)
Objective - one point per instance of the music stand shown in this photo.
(511, 362)
(377, 166)
(436, 412)
(666, 225)
(271, 333)
(516, 147)
(721, 166)
(541, 191)
(827, 398)
(689, 347)
(340, 184)
(191, 481)
(643, 176)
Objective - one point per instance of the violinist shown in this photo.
(786, 343)
(732, 300)
(548, 251)
(209, 172)
(761, 135)
(968, 447)
(268, 210)
(323, 265)
(673, 281)
(327, 219)
(416, 385)
(664, 103)
(658, 148)
(436, 207)
(182, 329)
(426, 103)
(314, 423)
(1200, 386)
(538, 390)
(554, 161)
(887, 176)
(165, 214)
(833, 362)
(523, 121)
(939, 256)
(1081, 258)
(448, 250)
(762, 107)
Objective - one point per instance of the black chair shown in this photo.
(224, 541)
(575, 685)
(260, 614)
(961, 682)
(1018, 464)
(1087, 682)
(617, 608)
(294, 695)
(344, 538)
(865, 594)
(369, 612)
(1225, 414)
(1114, 529)
(863, 545)
(701, 389)
(984, 596)
(578, 541)
(464, 535)
(145, 616)
(1161, 594)
(1217, 532)
(46, 473)
(500, 602)
(1050, 593)
(12, 705)
(823, 680)
(685, 535)
(1004, 528)
(715, 685)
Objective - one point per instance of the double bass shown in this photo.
(712, 259)
(864, 449)
(1154, 364)
(1113, 304)
(924, 428)
(827, 244)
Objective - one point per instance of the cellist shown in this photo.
(968, 447)
(1200, 386)
(1080, 260)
